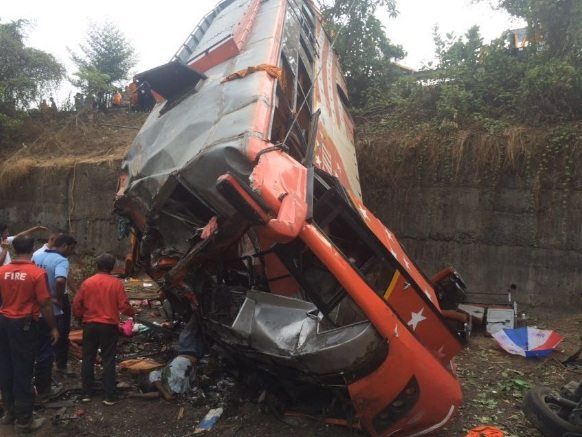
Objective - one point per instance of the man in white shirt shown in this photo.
(6, 241)
(50, 244)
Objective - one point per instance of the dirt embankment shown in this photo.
(63, 172)
(62, 140)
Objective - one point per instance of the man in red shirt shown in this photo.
(98, 303)
(24, 294)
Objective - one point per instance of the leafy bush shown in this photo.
(488, 86)
(553, 90)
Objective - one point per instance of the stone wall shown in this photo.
(78, 198)
(497, 230)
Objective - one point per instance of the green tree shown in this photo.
(25, 74)
(490, 86)
(106, 59)
(366, 54)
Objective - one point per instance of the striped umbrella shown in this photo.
(527, 341)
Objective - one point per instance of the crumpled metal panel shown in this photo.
(289, 332)
(194, 138)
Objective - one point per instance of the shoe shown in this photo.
(111, 401)
(86, 398)
(32, 425)
(47, 395)
(8, 419)
(66, 371)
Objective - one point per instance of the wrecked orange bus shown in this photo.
(242, 199)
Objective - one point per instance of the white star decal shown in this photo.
(406, 286)
(416, 319)
(389, 235)
(394, 254)
(395, 330)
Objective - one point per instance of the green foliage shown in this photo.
(107, 57)
(489, 86)
(366, 54)
(25, 74)
(93, 81)
(553, 88)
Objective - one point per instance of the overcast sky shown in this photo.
(157, 29)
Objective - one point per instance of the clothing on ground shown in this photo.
(178, 375)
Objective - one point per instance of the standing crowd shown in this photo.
(35, 321)
(136, 97)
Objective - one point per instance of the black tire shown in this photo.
(538, 408)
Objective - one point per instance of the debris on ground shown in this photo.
(485, 431)
(209, 420)
(528, 341)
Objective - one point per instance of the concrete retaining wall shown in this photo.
(495, 235)
(79, 199)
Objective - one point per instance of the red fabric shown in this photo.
(23, 288)
(100, 300)
(485, 431)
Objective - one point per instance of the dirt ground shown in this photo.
(493, 385)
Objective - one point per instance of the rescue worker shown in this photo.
(97, 304)
(24, 292)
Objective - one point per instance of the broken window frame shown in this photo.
(297, 61)
(293, 253)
